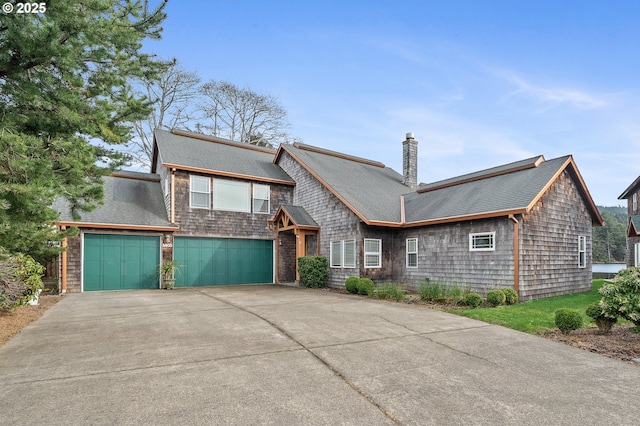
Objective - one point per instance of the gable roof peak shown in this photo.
(216, 139)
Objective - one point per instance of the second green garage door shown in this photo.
(222, 261)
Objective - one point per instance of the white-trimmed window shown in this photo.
(482, 241)
(372, 253)
(231, 195)
(343, 254)
(582, 251)
(261, 198)
(199, 192)
(412, 252)
(635, 203)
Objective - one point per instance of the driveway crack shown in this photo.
(324, 362)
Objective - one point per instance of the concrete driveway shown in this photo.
(277, 355)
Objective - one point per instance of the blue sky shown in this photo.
(479, 83)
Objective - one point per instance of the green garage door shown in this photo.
(222, 261)
(120, 262)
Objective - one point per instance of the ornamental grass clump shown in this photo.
(389, 291)
(567, 320)
(495, 298)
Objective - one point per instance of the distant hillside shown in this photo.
(610, 241)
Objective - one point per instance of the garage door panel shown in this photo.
(120, 262)
(223, 261)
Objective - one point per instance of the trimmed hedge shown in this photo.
(473, 300)
(510, 296)
(568, 319)
(495, 298)
(313, 271)
(365, 286)
(351, 284)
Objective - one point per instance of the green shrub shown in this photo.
(622, 296)
(603, 321)
(510, 296)
(351, 284)
(313, 271)
(473, 299)
(365, 286)
(568, 319)
(20, 280)
(495, 297)
(389, 291)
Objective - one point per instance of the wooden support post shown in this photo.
(63, 266)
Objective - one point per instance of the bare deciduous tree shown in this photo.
(174, 99)
(242, 115)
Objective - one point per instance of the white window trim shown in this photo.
(411, 252)
(245, 185)
(342, 262)
(634, 206)
(191, 191)
(373, 253)
(333, 262)
(482, 234)
(268, 199)
(636, 256)
(582, 251)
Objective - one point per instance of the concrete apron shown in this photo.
(281, 355)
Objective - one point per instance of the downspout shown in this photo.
(63, 268)
(516, 254)
(173, 196)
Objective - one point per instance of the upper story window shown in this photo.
(635, 203)
(482, 241)
(231, 195)
(261, 198)
(199, 192)
(582, 251)
(412, 252)
(372, 253)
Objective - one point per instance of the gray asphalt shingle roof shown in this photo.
(299, 215)
(227, 157)
(127, 201)
(373, 191)
(510, 191)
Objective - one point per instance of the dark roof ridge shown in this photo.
(528, 163)
(130, 174)
(348, 157)
(216, 139)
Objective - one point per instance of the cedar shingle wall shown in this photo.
(225, 224)
(336, 221)
(549, 238)
(74, 265)
(286, 247)
(444, 256)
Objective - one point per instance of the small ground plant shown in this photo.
(495, 297)
(351, 284)
(604, 322)
(389, 291)
(568, 319)
(20, 280)
(473, 300)
(365, 286)
(441, 293)
(510, 296)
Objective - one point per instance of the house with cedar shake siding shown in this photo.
(631, 194)
(240, 214)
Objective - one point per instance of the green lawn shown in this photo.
(535, 316)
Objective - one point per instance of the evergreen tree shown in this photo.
(65, 105)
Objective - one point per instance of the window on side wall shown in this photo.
(231, 195)
(261, 198)
(343, 254)
(199, 192)
(635, 202)
(412, 252)
(482, 241)
(372, 253)
(582, 251)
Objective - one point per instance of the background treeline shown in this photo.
(610, 241)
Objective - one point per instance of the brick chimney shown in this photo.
(410, 161)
